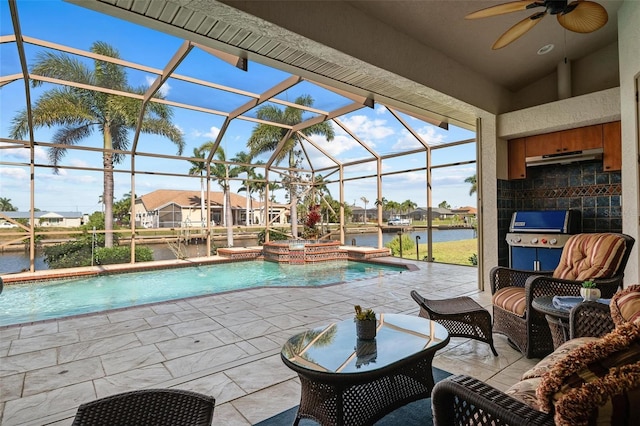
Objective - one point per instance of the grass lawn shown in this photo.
(456, 252)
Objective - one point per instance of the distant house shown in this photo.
(168, 208)
(49, 219)
(467, 214)
(467, 211)
(421, 213)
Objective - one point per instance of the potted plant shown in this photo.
(589, 291)
(365, 323)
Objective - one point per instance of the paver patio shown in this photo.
(225, 345)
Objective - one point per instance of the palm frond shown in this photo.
(109, 75)
(61, 66)
(164, 128)
(119, 140)
(66, 136)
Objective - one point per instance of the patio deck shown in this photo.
(225, 345)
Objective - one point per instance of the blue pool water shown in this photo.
(55, 299)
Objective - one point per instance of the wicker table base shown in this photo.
(349, 382)
(350, 400)
(461, 316)
(557, 319)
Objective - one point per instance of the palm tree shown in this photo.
(198, 168)
(407, 206)
(381, 203)
(365, 201)
(474, 184)
(222, 173)
(266, 138)
(248, 184)
(392, 206)
(79, 112)
(6, 206)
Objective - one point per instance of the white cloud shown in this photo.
(367, 129)
(164, 89)
(23, 154)
(11, 175)
(211, 134)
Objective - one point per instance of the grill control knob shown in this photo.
(553, 241)
(534, 241)
(516, 239)
(543, 241)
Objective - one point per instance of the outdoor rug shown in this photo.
(412, 414)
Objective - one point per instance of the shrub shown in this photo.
(68, 255)
(108, 256)
(78, 253)
(473, 259)
(394, 245)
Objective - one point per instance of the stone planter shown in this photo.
(590, 294)
(366, 330)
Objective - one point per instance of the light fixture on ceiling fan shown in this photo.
(581, 16)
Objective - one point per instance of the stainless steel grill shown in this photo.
(536, 237)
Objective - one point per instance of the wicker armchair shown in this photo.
(464, 400)
(152, 407)
(527, 329)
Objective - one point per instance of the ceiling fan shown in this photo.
(581, 16)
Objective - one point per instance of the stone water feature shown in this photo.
(303, 251)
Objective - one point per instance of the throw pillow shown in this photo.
(593, 382)
(625, 305)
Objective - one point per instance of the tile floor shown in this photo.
(226, 345)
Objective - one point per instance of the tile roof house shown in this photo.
(168, 208)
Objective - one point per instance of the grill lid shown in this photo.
(548, 221)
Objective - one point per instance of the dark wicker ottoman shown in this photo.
(461, 316)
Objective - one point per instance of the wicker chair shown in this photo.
(529, 332)
(152, 407)
(464, 400)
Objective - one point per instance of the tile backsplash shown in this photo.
(578, 186)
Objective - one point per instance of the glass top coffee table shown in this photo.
(347, 381)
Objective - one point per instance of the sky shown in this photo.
(79, 190)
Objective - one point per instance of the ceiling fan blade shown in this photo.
(513, 33)
(501, 9)
(585, 17)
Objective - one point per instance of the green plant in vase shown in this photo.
(365, 323)
(589, 290)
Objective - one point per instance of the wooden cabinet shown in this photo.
(606, 136)
(612, 146)
(564, 141)
(582, 138)
(549, 143)
(517, 166)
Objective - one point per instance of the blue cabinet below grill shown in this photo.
(534, 259)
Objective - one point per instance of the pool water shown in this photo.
(55, 299)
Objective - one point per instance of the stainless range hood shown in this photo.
(565, 157)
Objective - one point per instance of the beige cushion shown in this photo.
(525, 391)
(546, 363)
(590, 256)
(511, 299)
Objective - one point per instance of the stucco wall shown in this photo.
(629, 45)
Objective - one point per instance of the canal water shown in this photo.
(13, 262)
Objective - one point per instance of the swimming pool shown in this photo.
(23, 303)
